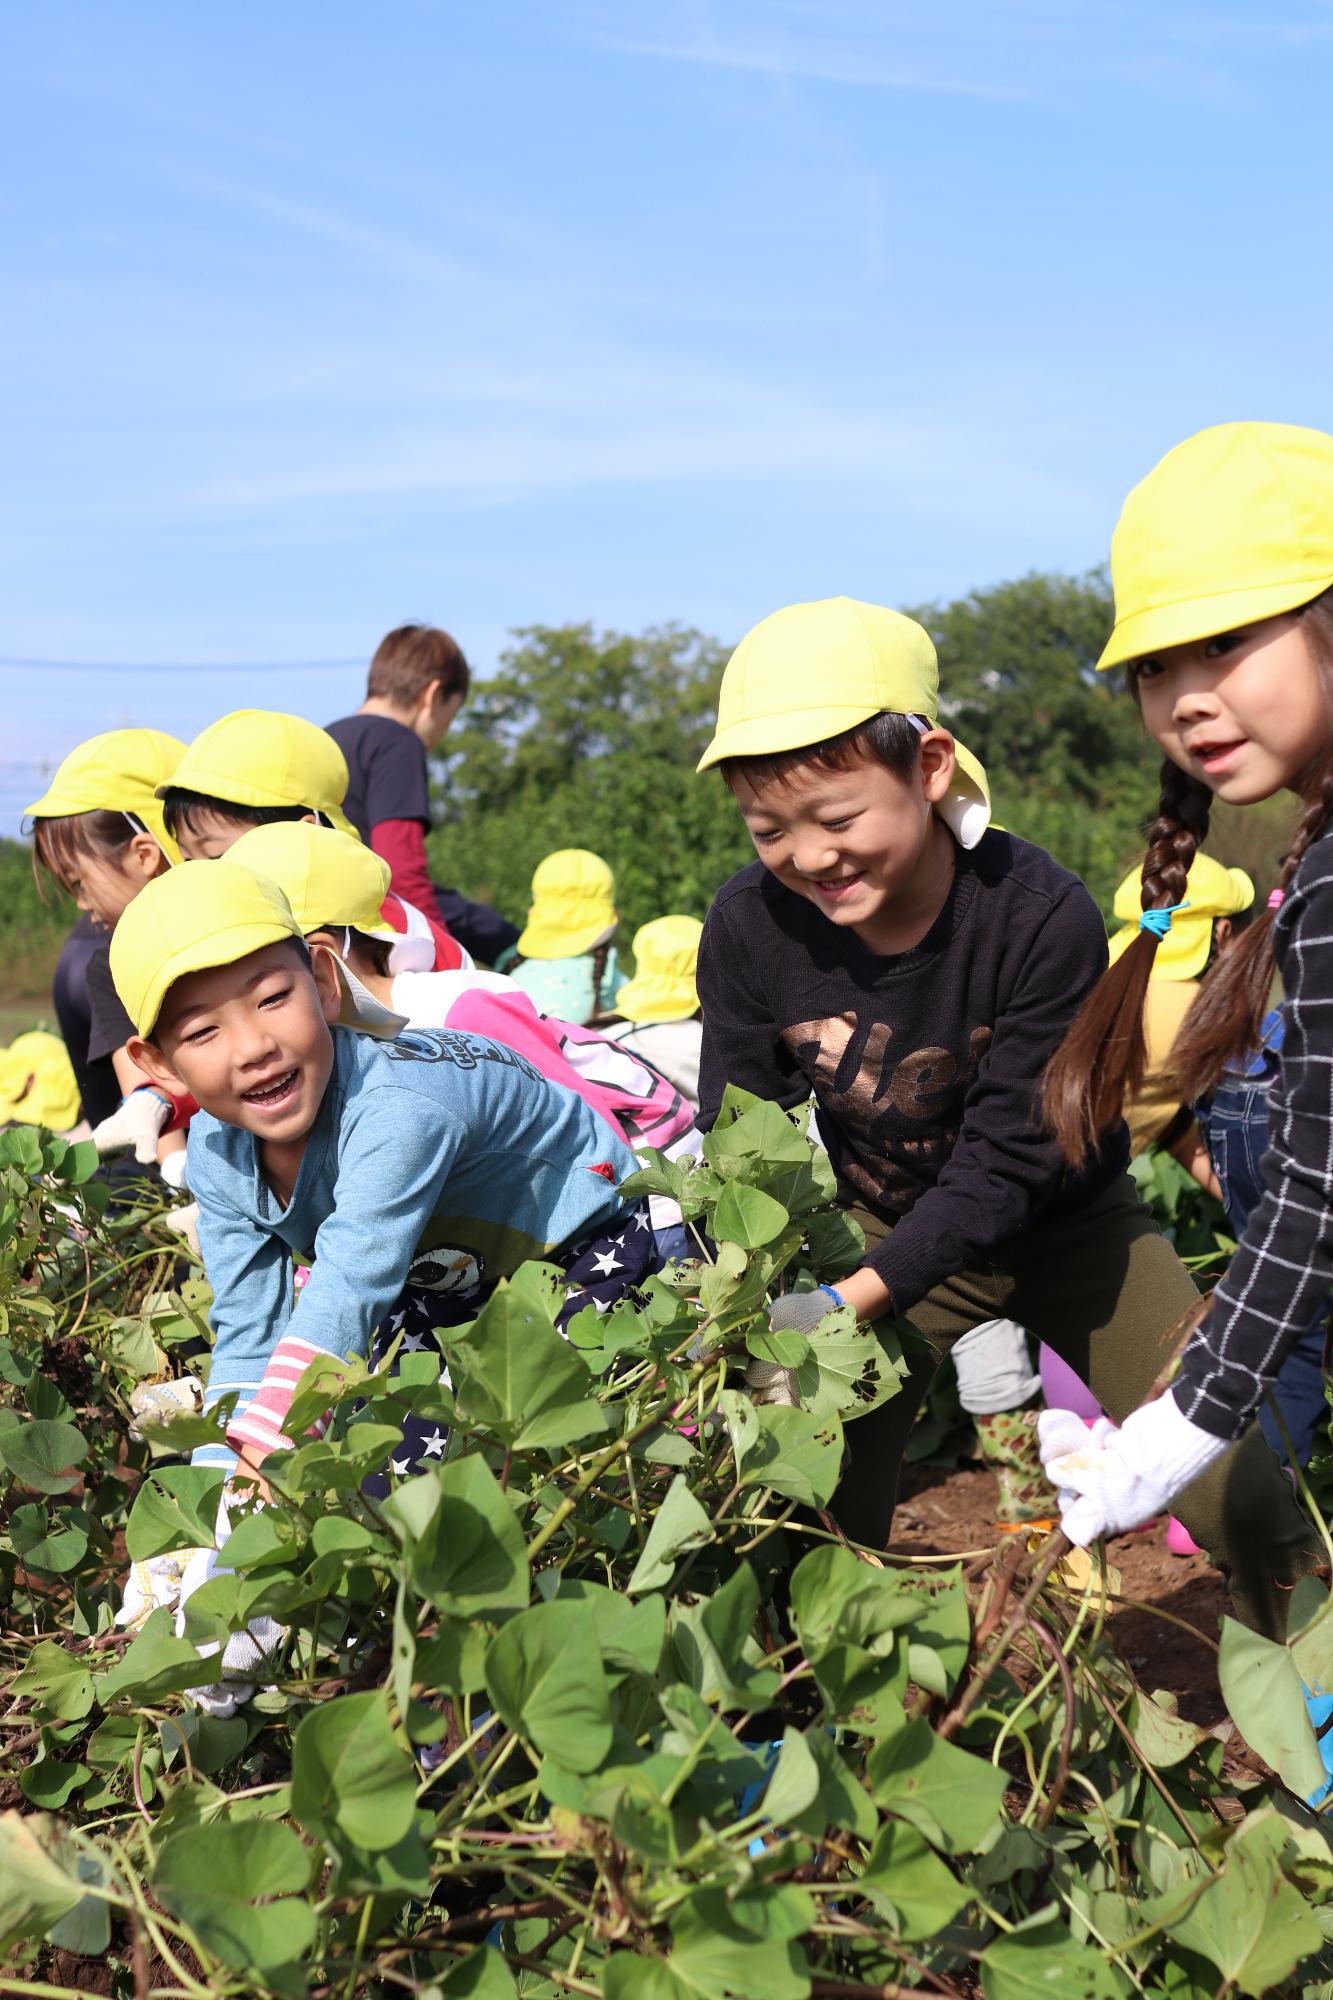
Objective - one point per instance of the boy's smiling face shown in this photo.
(861, 844)
(251, 1041)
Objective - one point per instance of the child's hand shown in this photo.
(794, 1312)
(247, 1483)
(153, 1585)
(245, 1652)
(1110, 1479)
(136, 1124)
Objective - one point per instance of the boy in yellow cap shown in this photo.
(915, 969)
(99, 831)
(567, 961)
(420, 1167)
(659, 1006)
(37, 1083)
(250, 768)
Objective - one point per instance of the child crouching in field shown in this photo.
(421, 1169)
(915, 970)
(335, 888)
(99, 832)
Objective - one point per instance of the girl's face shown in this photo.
(1246, 712)
(103, 885)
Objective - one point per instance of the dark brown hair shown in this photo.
(182, 808)
(1101, 1061)
(59, 843)
(409, 658)
(891, 739)
(375, 949)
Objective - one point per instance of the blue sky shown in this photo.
(313, 319)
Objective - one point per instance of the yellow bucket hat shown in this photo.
(666, 955)
(37, 1083)
(573, 905)
(261, 757)
(1210, 891)
(327, 878)
(813, 671)
(123, 770)
(1234, 525)
(192, 919)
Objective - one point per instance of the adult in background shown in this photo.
(418, 682)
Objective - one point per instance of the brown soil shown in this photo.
(941, 1511)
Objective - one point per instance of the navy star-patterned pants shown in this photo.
(598, 1270)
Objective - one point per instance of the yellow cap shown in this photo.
(327, 878)
(123, 770)
(209, 914)
(260, 757)
(1234, 525)
(1210, 890)
(814, 671)
(573, 905)
(37, 1083)
(666, 954)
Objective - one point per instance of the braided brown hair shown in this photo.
(1101, 1061)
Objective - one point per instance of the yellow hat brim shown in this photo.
(651, 1002)
(773, 735)
(1181, 954)
(1159, 626)
(203, 955)
(542, 938)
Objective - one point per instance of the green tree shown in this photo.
(590, 740)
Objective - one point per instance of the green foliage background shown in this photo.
(588, 738)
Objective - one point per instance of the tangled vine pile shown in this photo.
(602, 1702)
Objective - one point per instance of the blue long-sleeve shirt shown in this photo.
(440, 1152)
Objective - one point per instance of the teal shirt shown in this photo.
(440, 1152)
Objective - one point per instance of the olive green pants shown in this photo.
(1104, 1288)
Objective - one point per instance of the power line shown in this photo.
(181, 666)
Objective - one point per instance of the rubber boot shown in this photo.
(1008, 1440)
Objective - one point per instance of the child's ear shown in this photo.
(938, 764)
(324, 967)
(150, 1059)
(145, 857)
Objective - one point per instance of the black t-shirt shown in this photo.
(98, 1086)
(110, 1027)
(387, 776)
(924, 1065)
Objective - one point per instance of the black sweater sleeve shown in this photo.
(1279, 1278)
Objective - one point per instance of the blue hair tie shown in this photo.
(1158, 922)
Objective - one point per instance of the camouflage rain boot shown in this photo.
(1008, 1440)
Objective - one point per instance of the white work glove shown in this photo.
(184, 1222)
(158, 1402)
(245, 1653)
(136, 1124)
(1111, 1480)
(175, 1169)
(798, 1312)
(153, 1584)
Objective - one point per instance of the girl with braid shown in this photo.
(1222, 564)
(915, 969)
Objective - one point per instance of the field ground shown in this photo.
(944, 1510)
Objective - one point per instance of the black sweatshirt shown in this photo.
(1280, 1275)
(925, 1064)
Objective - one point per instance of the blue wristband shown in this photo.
(152, 1090)
(836, 1296)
